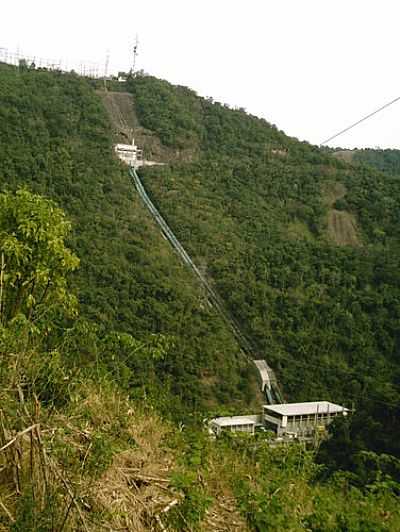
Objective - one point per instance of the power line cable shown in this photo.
(361, 120)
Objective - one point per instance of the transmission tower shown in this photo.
(135, 54)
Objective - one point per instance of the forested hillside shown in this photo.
(386, 160)
(254, 206)
(111, 355)
(266, 216)
(56, 140)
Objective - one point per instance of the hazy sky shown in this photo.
(311, 67)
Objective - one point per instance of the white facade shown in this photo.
(129, 154)
(301, 419)
(234, 424)
(290, 420)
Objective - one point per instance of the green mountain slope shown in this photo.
(82, 444)
(386, 160)
(55, 138)
(257, 210)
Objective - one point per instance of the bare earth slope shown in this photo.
(342, 225)
(121, 109)
(119, 106)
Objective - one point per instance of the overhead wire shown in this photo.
(361, 120)
(348, 128)
(243, 341)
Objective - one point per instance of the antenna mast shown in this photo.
(135, 54)
(106, 69)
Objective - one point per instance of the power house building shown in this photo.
(301, 419)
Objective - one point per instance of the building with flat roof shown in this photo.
(234, 424)
(301, 419)
(129, 154)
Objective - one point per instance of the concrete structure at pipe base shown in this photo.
(132, 156)
(286, 420)
(301, 419)
(129, 154)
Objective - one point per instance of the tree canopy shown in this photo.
(34, 258)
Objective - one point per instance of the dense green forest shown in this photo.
(56, 140)
(386, 160)
(254, 206)
(269, 218)
(108, 344)
(77, 453)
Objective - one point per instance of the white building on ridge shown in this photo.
(129, 154)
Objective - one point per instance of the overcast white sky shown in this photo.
(311, 67)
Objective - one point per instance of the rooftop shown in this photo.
(233, 420)
(304, 409)
(126, 147)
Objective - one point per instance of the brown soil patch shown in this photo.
(119, 106)
(124, 121)
(332, 192)
(342, 226)
(344, 155)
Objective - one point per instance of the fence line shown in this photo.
(83, 68)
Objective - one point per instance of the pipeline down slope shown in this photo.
(269, 383)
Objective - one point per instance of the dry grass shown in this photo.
(31, 477)
(53, 476)
(130, 495)
(135, 489)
